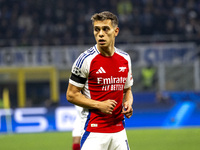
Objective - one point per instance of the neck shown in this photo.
(106, 51)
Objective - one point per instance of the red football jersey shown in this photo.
(103, 78)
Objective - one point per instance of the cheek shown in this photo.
(95, 35)
(112, 36)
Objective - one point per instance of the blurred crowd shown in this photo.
(66, 22)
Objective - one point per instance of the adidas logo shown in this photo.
(101, 70)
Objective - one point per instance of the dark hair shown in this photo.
(104, 16)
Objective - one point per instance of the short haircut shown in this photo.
(105, 15)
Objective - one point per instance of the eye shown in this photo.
(96, 29)
(106, 29)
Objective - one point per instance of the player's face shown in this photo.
(105, 33)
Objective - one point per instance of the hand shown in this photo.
(107, 106)
(127, 110)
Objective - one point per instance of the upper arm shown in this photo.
(127, 89)
(72, 90)
(78, 76)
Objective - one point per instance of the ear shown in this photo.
(116, 31)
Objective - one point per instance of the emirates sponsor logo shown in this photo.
(111, 80)
(112, 83)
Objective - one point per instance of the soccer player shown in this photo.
(100, 82)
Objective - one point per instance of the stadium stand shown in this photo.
(60, 22)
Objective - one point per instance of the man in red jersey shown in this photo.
(101, 83)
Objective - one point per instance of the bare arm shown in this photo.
(127, 103)
(75, 96)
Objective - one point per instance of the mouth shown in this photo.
(102, 41)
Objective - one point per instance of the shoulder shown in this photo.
(122, 53)
(87, 55)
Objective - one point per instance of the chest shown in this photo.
(108, 68)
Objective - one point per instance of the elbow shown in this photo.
(69, 97)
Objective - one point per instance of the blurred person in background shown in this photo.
(148, 77)
(100, 82)
(76, 132)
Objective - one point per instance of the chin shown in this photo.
(102, 45)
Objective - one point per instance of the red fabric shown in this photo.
(106, 81)
(76, 147)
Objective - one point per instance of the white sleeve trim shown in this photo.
(76, 84)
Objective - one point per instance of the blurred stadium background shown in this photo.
(40, 39)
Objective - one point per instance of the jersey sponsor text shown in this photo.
(111, 80)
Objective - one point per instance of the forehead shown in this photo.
(100, 23)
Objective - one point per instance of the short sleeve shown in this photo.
(129, 81)
(79, 72)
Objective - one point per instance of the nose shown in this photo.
(101, 33)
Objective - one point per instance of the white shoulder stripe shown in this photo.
(120, 51)
(84, 55)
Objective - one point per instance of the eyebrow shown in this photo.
(102, 26)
